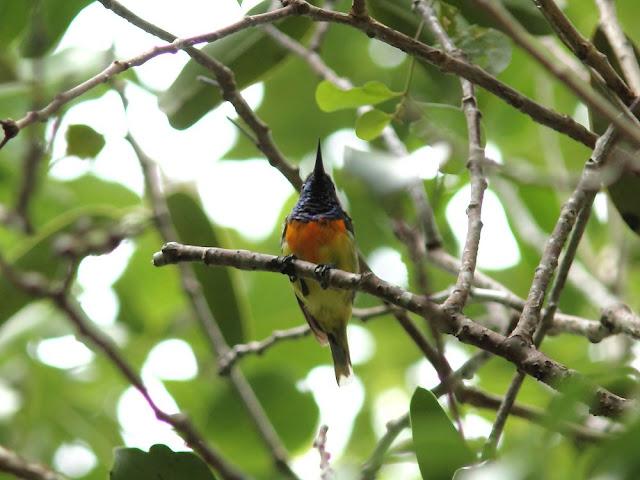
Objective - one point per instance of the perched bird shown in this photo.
(318, 230)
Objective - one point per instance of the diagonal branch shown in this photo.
(621, 47)
(626, 123)
(584, 50)
(11, 462)
(37, 286)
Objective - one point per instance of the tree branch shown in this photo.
(11, 462)
(37, 286)
(583, 49)
(541, 114)
(523, 355)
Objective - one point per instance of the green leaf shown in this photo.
(159, 463)
(486, 47)
(439, 447)
(83, 141)
(523, 10)
(331, 98)
(623, 180)
(14, 17)
(50, 19)
(250, 53)
(218, 284)
(371, 124)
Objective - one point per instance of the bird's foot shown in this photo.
(322, 274)
(286, 266)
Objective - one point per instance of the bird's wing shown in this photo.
(320, 335)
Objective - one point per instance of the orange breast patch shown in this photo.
(306, 238)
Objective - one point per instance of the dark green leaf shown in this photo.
(486, 47)
(50, 20)
(371, 124)
(159, 463)
(250, 53)
(218, 285)
(331, 98)
(439, 447)
(83, 141)
(623, 179)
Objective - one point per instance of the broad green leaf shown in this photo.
(486, 47)
(371, 124)
(331, 98)
(160, 462)
(439, 447)
(83, 141)
(250, 53)
(50, 19)
(14, 17)
(218, 285)
(523, 10)
(623, 181)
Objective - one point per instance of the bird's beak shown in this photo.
(318, 170)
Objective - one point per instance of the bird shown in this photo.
(318, 230)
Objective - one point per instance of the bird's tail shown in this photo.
(340, 353)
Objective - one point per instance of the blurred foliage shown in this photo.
(59, 406)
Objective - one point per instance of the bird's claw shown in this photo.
(322, 274)
(286, 267)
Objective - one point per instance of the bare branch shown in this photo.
(584, 49)
(626, 124)
(619, 43)
(359, 8)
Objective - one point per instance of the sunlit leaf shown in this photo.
(331, 97)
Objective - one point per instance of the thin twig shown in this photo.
(584, 49)
(359, 8)
(622, 49)
(11, 462)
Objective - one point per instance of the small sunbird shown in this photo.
(318, 230)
